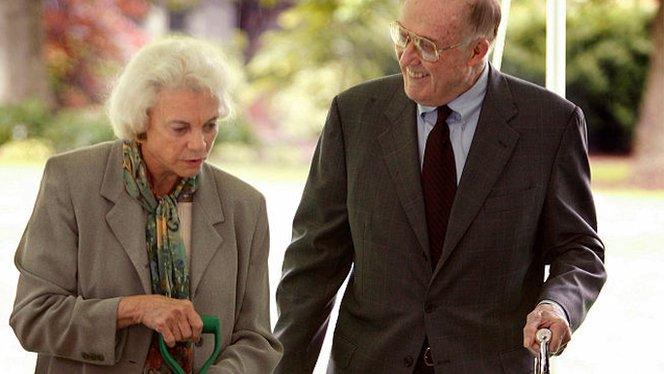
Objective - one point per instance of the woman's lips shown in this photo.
(195, 162)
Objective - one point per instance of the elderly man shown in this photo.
(444, 191)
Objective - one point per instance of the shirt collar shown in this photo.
(467, 102)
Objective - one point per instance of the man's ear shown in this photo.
(479, 50)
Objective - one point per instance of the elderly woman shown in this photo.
(139, 237)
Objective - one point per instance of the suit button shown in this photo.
(429, 308)
(408, 361)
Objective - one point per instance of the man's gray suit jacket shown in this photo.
(524, 200)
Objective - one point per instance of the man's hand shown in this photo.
(552, 318)
(176, 320)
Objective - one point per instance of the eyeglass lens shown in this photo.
(401, 36)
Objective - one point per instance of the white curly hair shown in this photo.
(173, 62)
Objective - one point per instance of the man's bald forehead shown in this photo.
(469, 6)
(480, 17)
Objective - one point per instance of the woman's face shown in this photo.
(181, 129)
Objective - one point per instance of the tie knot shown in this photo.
(443, 112)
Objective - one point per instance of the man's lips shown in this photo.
(416, 74)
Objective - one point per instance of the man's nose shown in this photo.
(409, 55)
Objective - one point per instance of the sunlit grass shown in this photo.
(31, 154)
(633, 193)
(610, 175)
(264, 172)
(610, 170)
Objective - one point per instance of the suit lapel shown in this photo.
(492, 145)
(126, 218)
(205, 239)
(400, 150)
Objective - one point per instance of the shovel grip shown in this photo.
(210, 326)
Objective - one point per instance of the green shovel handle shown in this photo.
(210, 326)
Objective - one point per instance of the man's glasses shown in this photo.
(426, 48)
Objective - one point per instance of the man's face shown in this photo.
(435, 83)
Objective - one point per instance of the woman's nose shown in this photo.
(197, 142)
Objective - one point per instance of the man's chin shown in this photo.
(416, 96)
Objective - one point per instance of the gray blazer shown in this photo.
(84, 248)
(523, 201)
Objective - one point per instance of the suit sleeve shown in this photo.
(570, 241)
(48, 315)
(253, 348)
(319, 256)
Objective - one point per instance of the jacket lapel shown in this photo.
(126, 218)
(205, 239)
(400, 150)
(492, 145)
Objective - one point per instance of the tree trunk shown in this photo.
(22, 71)
(254, 18)
(649, 166)
(177, 21)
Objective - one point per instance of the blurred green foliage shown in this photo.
(74, 128)
(326, 46)
(322, 48)
(71, 128)
(24, 120)
(237, 127)
(608, 47)
(63, 130)
(236, 130)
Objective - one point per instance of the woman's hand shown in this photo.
(176, 320)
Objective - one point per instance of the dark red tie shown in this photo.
(438, 183)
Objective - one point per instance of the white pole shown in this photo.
(555, 46)
(499, 46)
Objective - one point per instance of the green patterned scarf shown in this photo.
(169, 268)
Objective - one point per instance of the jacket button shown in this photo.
(429, 308)
(408, 361)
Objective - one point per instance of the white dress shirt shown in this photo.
(462, 121)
